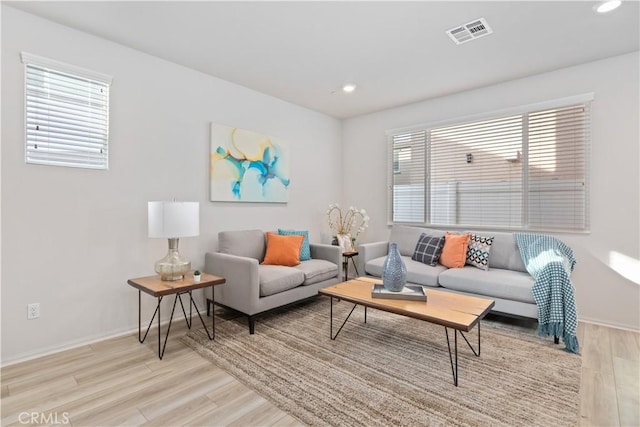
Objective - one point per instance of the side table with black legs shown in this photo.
(346, 256)
(158, 288)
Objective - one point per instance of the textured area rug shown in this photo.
(394, 370)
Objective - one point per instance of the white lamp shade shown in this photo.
(174, 219)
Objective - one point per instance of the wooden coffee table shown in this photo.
(453, 311)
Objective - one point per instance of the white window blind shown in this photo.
(557, 168)
(67, 115)
(525, 170)
(407, 180)
(475, 175)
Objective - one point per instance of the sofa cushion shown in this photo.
(276, 278)
(283, 250)
(406, 237)
(417, 272)
(317, 270)
(505, 253)
(305, 250)
(245, 243)
(478, 251)
(428, 249)
(454, 252)
(496, 283)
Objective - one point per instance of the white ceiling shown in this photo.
(396, 52)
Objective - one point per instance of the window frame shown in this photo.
(38, 62)
(585, 98)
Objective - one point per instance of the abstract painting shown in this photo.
(246, 166)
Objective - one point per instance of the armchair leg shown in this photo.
(252, 325)
(556, 340)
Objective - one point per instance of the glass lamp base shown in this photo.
(173, 266)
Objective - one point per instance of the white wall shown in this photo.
(612, 250)
(72, 237)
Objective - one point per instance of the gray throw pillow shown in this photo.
(428, 249)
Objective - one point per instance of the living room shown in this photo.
(72, 237)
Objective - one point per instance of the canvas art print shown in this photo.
(247, 166)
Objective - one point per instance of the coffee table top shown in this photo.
(449, 309)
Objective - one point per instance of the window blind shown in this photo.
(524, 170)
(407, 181)
(557, 168)
(476, 173)
(66, 117)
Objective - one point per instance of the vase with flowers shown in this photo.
(347, 225)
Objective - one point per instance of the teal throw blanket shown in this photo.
(551, 262)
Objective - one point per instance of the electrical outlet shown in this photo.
(33, 310)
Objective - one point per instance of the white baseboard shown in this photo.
(608, 324)
(24, 357)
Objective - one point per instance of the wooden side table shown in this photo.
(346, 256)
(158, 288)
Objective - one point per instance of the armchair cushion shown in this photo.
(317, 270)
(283, 250)
(276, 278)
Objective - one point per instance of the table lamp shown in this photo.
(173, 220)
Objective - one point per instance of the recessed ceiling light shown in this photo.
(349, 87)
(607, 6)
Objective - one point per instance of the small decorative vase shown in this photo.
(394, 272)
(196, 278)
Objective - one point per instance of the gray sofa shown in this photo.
(252, 288)
(506, 282)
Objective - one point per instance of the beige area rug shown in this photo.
(394, 370)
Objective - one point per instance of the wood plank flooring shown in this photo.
(121, 382)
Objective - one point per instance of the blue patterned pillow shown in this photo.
(478, 251)
(305, 250)
(428, 249)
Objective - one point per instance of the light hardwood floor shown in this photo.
(121, 382)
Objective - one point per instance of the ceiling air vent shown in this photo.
(471, 31)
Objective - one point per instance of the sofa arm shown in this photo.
(369, 251)
(331, 253)
(241, 290)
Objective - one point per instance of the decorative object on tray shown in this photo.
(346, 223)
(409, 292)
(394, 272)
(196, 276)
(247, 166)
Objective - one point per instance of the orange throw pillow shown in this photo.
(454, 252)
(283, 250)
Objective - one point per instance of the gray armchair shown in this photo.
(252, 288)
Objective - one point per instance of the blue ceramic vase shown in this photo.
(394, 272)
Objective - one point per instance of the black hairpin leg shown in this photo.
(355, 267)
(192, 304)
(333, 337)
(454, 363)
(157, 311)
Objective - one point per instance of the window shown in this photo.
(67, 114)
(524, 170)
(408, 153)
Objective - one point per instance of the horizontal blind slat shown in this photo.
(66, 119)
